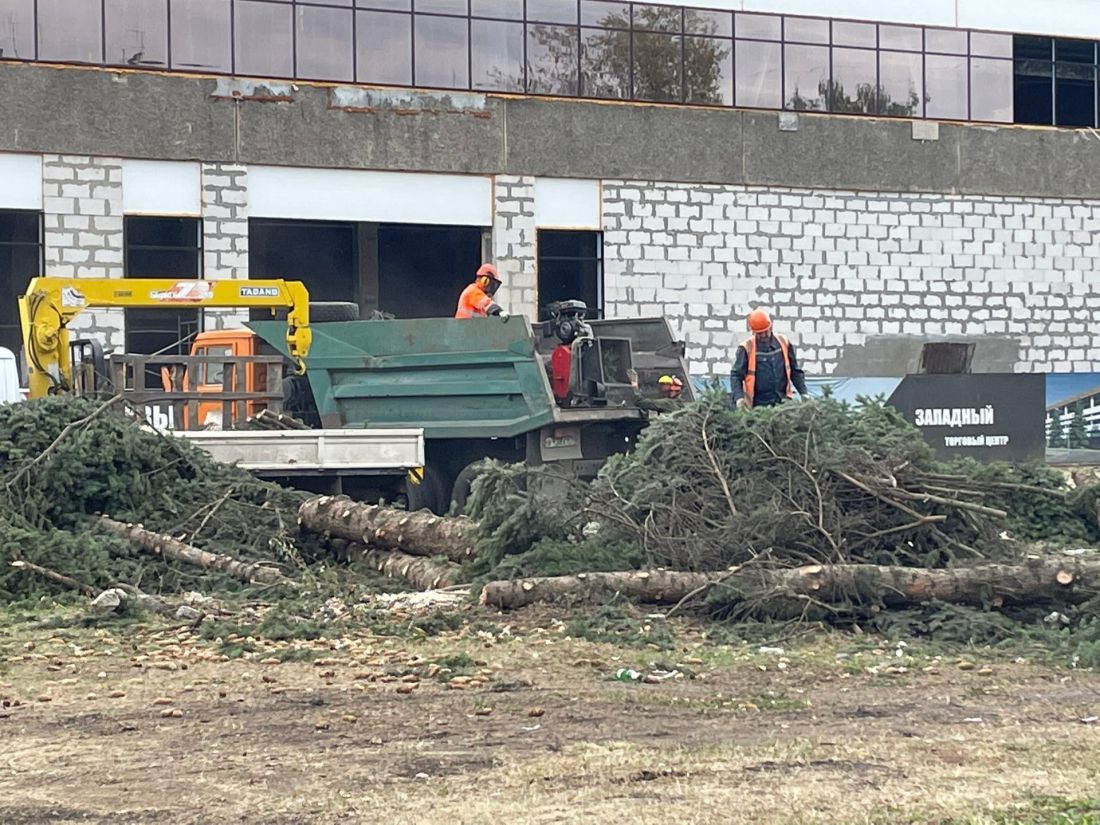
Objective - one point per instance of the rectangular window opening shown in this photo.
(570, 267)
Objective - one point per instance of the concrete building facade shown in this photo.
(865, 231)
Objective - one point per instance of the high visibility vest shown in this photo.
(473, 303)
(749, 383)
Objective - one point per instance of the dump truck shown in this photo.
(562, 392)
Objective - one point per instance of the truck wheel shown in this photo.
(432, 493)
(462, 488)
(321, 312)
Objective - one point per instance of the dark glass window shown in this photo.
(200, 35)
(384, 44)
(657, 18)
(708, 70)
(496, 55)
(901, 38)
(854, 34)
(503, 9)
(1025, 47)
(440, 6)
(555, 11)
(605, 63)
(657, 62)
(991, 89)
(945, 87)
(158, 247)
(324, 43)
(805, 30)
(710, 23)
(805, 77)
(757, 26)
(1033, 80)
(759, 74)
(20, 260)
(264, 38)
(570, 267)
(604, 15)
(900, 83)
(137, 32)
(945, 41)
(853, 87)
(552, 59)
(441, 52)
(1075, 95)
(984, 44)
(1075, 51)
(17, 29)
(70, 30)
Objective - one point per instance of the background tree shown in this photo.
(660, 67)
(1078, 435)
(1056, 435)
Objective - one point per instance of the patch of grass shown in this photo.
(296, 654)
(235, 650)
(455, 664)
(432, 624)
(778, 702)
(611, 624)
(1039, 810)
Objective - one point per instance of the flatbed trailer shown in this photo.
(358, 461)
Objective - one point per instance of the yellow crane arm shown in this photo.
(51, 303)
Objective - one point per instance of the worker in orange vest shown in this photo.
(476, 300)
(765, 370)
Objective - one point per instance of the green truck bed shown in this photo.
(474, 378)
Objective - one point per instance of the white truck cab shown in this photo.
(9, 377)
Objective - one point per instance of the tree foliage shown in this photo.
(54, 479)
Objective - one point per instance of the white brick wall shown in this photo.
(225, 233)
(514, 243)
(839, 268)
(82, 238)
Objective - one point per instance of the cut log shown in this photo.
(785, 593)
(55, 577)
(167, 547)
(422, 572)
(648, 586)
(420, 533)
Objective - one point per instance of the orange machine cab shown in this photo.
(228, 342)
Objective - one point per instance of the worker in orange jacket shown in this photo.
(765, 370)
(476, 300)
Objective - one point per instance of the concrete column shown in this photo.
(514, 237)
(82, 206)
(225, 233)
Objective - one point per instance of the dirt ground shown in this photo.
(508, 719)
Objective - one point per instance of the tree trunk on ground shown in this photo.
(55, 577)
(170, 548)
(420, 533)
(422, 572)
(649, 586)
(787, 593)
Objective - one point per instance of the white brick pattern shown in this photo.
(514, 243)
(82, 214)
(225, 233)
(836, 268)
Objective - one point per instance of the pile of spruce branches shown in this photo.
(821, 481)
(64, 459)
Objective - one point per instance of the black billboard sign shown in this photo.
(996, 417)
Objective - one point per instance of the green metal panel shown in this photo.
(475, 378)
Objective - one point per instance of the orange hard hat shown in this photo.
(488, 271)
(760, 321)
